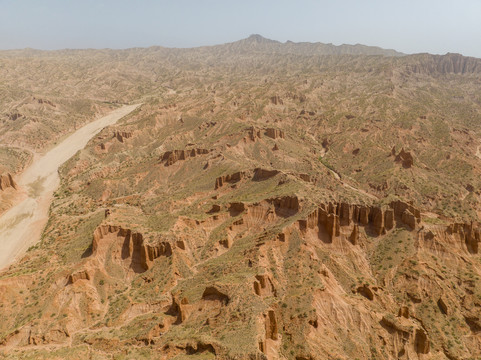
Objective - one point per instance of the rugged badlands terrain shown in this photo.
(266, 201)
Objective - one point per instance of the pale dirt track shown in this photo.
(21, 226)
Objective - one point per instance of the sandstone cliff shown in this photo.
(6, 181)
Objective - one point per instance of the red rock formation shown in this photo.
(180, 309)
(474, 322)
(325, 144)
(274, 133)
(236, 208)
(443, 306)
(332, 225)
(276, 100)
(259, 175)
(281, 237)
(406, 213)
(305, 177)
(345, 214)
(15, 116)
(377, 220)
(263, 285)
(388, 321)
(161, 249)
(263, 174)
(354, 237)
(324, 217)
(285, 205)
(43, 101)
(366, 292)
(335, 216)
(7, 181)
(80, 275)
(180, 244)
(271, 325)
(389, 219)
(53, 336)
(133, 247)
(215, 209)
(171, 157)
(364, 215)
(226, 243)
(421, 342)
(213, 294)
(254, 133)
(444, 64)
(231, 178)
(121, 135)
(468, 233)
(403, 312)
(409, 219)
(405, 158)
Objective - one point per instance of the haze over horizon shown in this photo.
(430, 26)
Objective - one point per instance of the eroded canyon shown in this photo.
(266, 201)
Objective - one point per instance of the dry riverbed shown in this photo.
(21, 226)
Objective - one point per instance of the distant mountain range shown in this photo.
(256, 46)
(417, 63)
(260, 43)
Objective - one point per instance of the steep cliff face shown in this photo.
(405, 158)
(121, 135)
(332, 218)
(230, 178)
(275, 133)
(171, 157)
(6, 181)
(127, 247)
(253, 134)
(468, 233)
(445, 64)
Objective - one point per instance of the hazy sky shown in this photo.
(435, 26)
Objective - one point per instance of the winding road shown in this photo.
(22, 225)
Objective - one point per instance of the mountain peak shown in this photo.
(257, 42)
(260, 39)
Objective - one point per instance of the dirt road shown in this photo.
(22, 225)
